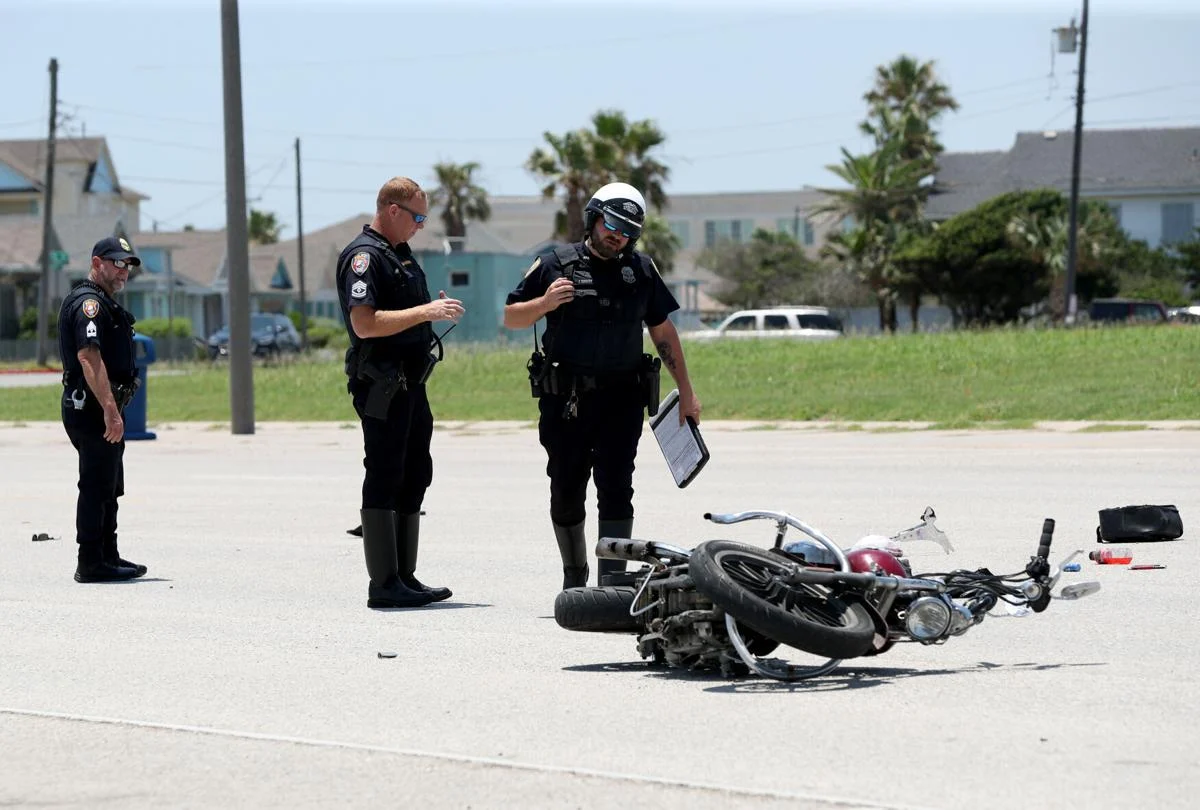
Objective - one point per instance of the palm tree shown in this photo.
(880, 184)
(576, 164)
(579, 162)
(462, 200)
(633, 142)
(884, 188)
(262, 227)
(904, 104)
(1043, 239)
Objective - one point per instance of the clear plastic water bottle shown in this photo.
(1120, 555)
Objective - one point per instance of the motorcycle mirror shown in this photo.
(925, 530)
(1079, 590)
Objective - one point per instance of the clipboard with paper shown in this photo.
(682, 445)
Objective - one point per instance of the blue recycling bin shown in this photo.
(135, 411)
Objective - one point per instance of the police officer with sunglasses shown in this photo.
(389, 314)
(95, 341)
(592, 378)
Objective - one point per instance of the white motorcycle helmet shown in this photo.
(621, 206)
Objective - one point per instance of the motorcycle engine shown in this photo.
(686, 630)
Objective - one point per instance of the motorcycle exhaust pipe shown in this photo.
(621, 548)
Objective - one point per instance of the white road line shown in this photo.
(845, 804)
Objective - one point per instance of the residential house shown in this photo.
(1149, 177)
(194, 265)
(20, 268)
(89, 204)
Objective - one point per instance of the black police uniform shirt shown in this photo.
(372, 273)
(90, 317)
(596, 322)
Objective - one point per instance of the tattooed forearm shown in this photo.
(668, 356)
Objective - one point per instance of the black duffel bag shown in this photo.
(1131, 523)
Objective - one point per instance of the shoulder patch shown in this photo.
(360, 263)
(90, 307)
(536, 264)
(359, 290)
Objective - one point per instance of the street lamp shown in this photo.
(1067, 38)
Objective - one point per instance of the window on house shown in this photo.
(102, 178)
(682, 232)
(280, 281)
(798, 228)
(1178, 222)
(460, 278)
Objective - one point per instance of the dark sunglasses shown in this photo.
(417, 218)
(124, 264)
(617, 225)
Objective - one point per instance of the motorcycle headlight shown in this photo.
(928, 619)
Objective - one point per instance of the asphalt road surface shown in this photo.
(244, 670)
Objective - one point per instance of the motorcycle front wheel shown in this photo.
(747, 583)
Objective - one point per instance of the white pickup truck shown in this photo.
(797, 323)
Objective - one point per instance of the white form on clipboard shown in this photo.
(682, 445)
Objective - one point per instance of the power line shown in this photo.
(522, 51)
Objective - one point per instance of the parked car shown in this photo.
(1184, 314)
(271, 334)
(799, 323)
(1122, 310)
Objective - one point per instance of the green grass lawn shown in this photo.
(1000, 378)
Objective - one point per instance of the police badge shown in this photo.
(627, 274)
(90, 307)
(360, 263)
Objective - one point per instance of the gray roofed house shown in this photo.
(1151, 177)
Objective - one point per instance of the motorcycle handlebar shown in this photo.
(1047, 535)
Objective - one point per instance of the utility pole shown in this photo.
(300, 252)
(43, 322)
(1076, 160)
(237, 250)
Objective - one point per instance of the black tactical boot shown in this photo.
(93, 568)
(379, 546)
(113, 557)
(612, 528)
(408, 532)
(572, 546)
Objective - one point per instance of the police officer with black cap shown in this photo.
(593, 380)
(389, 314)
(95, 340)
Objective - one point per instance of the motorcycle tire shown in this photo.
(596, 610)
(743, 581)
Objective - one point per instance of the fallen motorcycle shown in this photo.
(728, 605)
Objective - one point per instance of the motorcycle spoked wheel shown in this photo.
(745, 581)
(603, 609)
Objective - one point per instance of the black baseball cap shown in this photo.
(115, 247)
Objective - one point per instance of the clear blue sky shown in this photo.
(752, 96)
